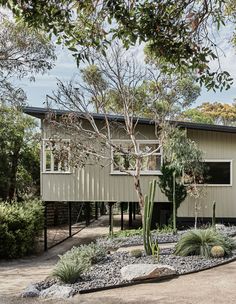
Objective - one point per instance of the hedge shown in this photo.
(20, 225)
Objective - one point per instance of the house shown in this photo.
(94, 183)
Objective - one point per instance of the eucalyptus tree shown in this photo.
(183, 158)
(214, 113)
(116, 83)
(178, 33)
(19, 155)
(23, 52)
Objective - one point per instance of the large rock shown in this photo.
(57, 292)
(30, 291)
(136, 272)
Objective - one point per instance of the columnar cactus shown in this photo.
(148, 211)
(214, 215)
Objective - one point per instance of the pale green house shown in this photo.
(107, 184)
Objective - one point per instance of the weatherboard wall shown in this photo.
(215, 146)
(95, 183)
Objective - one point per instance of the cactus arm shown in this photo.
(214, 214)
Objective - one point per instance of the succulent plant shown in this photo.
(137, 253)
(148, 211)
(217, 252)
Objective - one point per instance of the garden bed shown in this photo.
(105, 269)
(162, 238)
(107, 272)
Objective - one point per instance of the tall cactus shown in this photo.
(148, 211)
(214, 214)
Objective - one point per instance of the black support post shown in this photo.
(134, 209)
(87, 213)
(69, 219)
(122, 216)
(102, 208)
(96, 210)
(130, 214)
(45, 228)
(110, 218)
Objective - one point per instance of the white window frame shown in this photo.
(139, 141)
(231, 173)
(44, 171)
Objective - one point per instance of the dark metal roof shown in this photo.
(41, 112)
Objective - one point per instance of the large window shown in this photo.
(151, 164)
(218, 172)
(56, 155)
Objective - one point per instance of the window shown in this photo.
(56, 156)
(151, 164)
(217, 172)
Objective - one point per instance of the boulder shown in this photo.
(30, 291)
(57, 292)
(220, 226)
(136, 272)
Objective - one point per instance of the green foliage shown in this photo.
(182, 154)
(183, 159)
(137, 253)
(200, 242)
(213, 113)
(33, 52)
(195, 115)
(149, 246)
(24, 52)
(19, 155)
(20, 224)
(128, 233)
(217, 252)
(77, 260)
(69, 272)
(175, 30)
(166, 185)
(165, 229)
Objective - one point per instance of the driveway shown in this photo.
(217, 285)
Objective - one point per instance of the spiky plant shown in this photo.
(77, 260)
(200, 242)
(69, 272)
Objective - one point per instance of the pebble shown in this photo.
(107, 271)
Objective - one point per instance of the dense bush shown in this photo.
(20, 224)
(76, 261)
(200, 242)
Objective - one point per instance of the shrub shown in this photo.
(200, 242)
(137, 253)
(128, 233)
(76, 261)
(217, 252)
(20, 224)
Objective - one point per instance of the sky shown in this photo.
(65, 68)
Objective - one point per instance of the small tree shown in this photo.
(114, 83)
(19, 155)
(184, 159)
(166, 185)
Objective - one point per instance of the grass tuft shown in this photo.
(200, 242)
